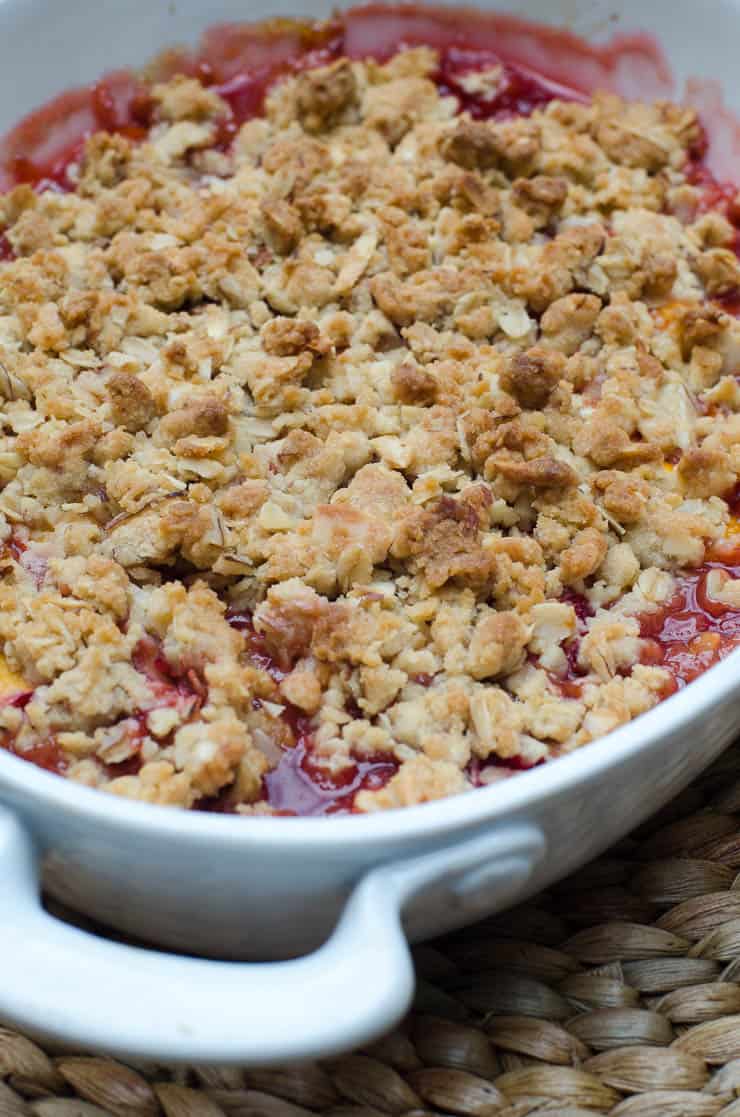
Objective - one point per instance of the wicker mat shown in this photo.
(617, 992)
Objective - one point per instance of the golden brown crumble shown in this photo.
(393, 382)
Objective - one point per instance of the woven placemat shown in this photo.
(616, 992)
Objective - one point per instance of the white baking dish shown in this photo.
(275, 888)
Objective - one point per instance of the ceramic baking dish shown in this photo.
(350, 889)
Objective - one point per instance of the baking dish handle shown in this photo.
(70, 985)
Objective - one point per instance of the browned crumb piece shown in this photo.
(531, 376)
(283, 224)
(412, 384)
(444, 541)
(132, 404)
(202, 417)
(718, 270)
(479, 145)
(706, 472)
(289, 337)
(701, 326)
(541, 196)
(322, 95)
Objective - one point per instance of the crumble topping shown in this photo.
(381, 428)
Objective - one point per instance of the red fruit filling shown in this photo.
(536, 64)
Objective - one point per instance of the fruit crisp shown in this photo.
(366, 452)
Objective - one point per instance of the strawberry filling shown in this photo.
(241, 62)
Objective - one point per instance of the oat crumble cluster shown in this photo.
(396, 385)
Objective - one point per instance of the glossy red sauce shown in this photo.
(626, 62)
(721, 125)
(33, 562)
(477, 769)
(41, 148)
(46, 754)
(731, 301)
(422, 679)
(518, 92)
(582, 607)
(693, 630)
(168, 687)
(19, 700)
(570, 683)
(299, 784)
(713, 194)
(15, 546)
(255, 644)
(186, 691)
(132, 765)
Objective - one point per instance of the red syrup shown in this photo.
(730, 302)
(720, 196)
(477, 769)
(41, 149)
(184, 689)
(422, 679)
(582, 607)
(32, 561)
(134, 730)
(256, 646)
(570, 683)
(693, 631)
(713, 195)
(517, 92)
(299, 784)
(733, 501)
(628, 64)
(46, 754)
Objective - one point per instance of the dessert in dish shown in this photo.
(370, 425)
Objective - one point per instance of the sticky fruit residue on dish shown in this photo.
(241, 61)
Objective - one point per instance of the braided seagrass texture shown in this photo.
(617, 992)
